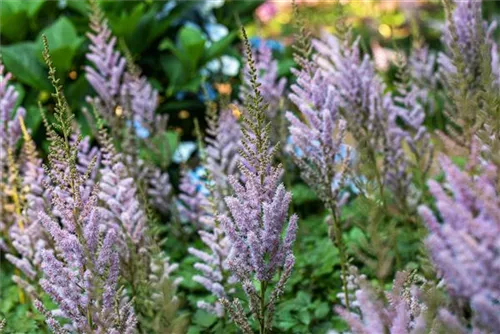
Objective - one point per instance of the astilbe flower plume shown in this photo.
(118, 193)
(111, 79)
(10, 133)
(220, 161)
(272, 88)
(403, 314)
(222, 152)
(469, 73)
(422, 65)
(318, 140)
(143, 265)
(258, 215)
(370, 114)
(126, 99)
(10, 130)
(81, 273)
(193, 202)
(28, 236)
(410, 101)
(465, 238)
(464, 36)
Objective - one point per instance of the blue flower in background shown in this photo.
(272, 44)
(184, 151)
(180, 95)
(198, 176)
(140, 130)
(275, 45)
(210, 91)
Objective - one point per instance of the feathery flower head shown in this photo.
(259, 208)
(404, 313)
(81, 273)
(467, 240)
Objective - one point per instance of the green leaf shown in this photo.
(322, 310)
(124, 22)
(302, 194)
(192, 45)
(63, 43)
(305, 317)
(172, 67)
(21, 60)
(217, 49)
(13, 20)
(204, 318)
(33, 118)
(79, 6)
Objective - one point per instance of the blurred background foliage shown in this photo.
(191, 50)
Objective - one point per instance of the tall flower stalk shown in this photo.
(127, 102)
(220, 160)
(81, 274)
(465, 238)
(258, 215)
(318, 141)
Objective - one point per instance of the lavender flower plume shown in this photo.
(272, 88)
(193, 202)
(121, 207)
(220, 160)
(464, 35)
(369, 112)
(404, 313)
(222, 153)
(258, 212)
(126, 100)
(318, 135)
(467, 240)
(10, 133)
(27, 236)
(120, 90)
(81, 273)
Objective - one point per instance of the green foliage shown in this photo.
(21, 60)
(64, 42)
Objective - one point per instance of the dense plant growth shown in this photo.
(325, 202)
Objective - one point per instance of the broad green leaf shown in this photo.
(79, 6)
(21, 60)
(172, 67)
(192, 44)
(33, 118)
(217, 49)
(204, 318)
(125, 23)
(13, 20)
(63, 43)
(322, 310)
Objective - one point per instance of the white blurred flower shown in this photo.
(216, 31)
(230, 65)
(208, 5)
(184, 151)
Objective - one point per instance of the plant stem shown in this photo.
(262, 320)
(339, 243)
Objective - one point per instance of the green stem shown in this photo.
(339, 243)
(262, 320)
